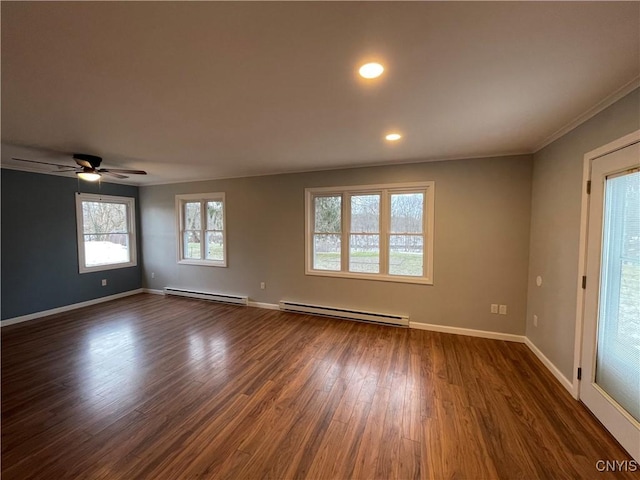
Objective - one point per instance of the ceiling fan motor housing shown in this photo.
(85, 160)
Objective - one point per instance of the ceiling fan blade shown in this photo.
(42, 163)
(86, 160)
(120, 170)
(111, 174)
(83, 163)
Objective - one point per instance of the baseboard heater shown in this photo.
(345, 313)
(216, 297)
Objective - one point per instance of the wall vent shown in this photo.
(345, 313)
(216, 297)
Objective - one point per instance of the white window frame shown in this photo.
(385, 190)
(130, 204)
(203, 198)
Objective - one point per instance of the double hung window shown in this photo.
(201, 229)
(106, 232)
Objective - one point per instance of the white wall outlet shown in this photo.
(535, 320)
(263, 285)
(153, 274)
(494, 308)
(104, 282)
(503, 310)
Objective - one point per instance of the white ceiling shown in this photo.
(209, 90)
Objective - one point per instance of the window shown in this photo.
(377, 232)
(106, 232)
(201, 229)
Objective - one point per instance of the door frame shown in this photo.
(610, 147)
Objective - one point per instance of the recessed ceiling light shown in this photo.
(392, 137)
(371, 70)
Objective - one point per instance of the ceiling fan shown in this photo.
(88, 167)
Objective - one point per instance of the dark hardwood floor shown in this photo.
(166, 388)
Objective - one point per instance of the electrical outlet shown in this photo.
(535, 320)
(153, 274)
(494, 308)
(104, 282)
(263, 285)
(503, 310)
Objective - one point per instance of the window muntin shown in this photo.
(379, 232)
(106, 232)
(201, 229)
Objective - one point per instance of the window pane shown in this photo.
(192, 245)
(326, 252)
(192, 216)
(618, 352)
(406, 253)
(106, 249)
(101, 217)
(365, 213)
(364, 253)
(214, 246)
(214, 215)
(328, 214)
(406, 212)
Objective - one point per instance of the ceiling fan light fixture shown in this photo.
(89, 176)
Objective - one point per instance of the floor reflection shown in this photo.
(110, 370)
(207, 353)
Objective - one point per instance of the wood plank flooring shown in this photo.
(164, 388)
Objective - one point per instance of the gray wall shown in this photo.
(480, 252)
(555, 228)
(39, 245)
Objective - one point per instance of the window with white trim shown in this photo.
(106, 232)
(377, 232)
(201, 229)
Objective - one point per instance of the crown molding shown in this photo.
(592, 112)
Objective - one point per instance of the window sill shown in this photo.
(203, 263)
(112, 266)
(368, 276)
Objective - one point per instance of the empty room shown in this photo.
(320, 240)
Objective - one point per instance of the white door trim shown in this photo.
(618, 144)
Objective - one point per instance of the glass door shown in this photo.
(610, 384)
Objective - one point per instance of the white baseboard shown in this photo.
(434, 328)
(564, 381)
(66, 308)
(268, 306)
(509, 337)
(153, 291)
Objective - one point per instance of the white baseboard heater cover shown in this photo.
(216, 297)
(345, 313)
